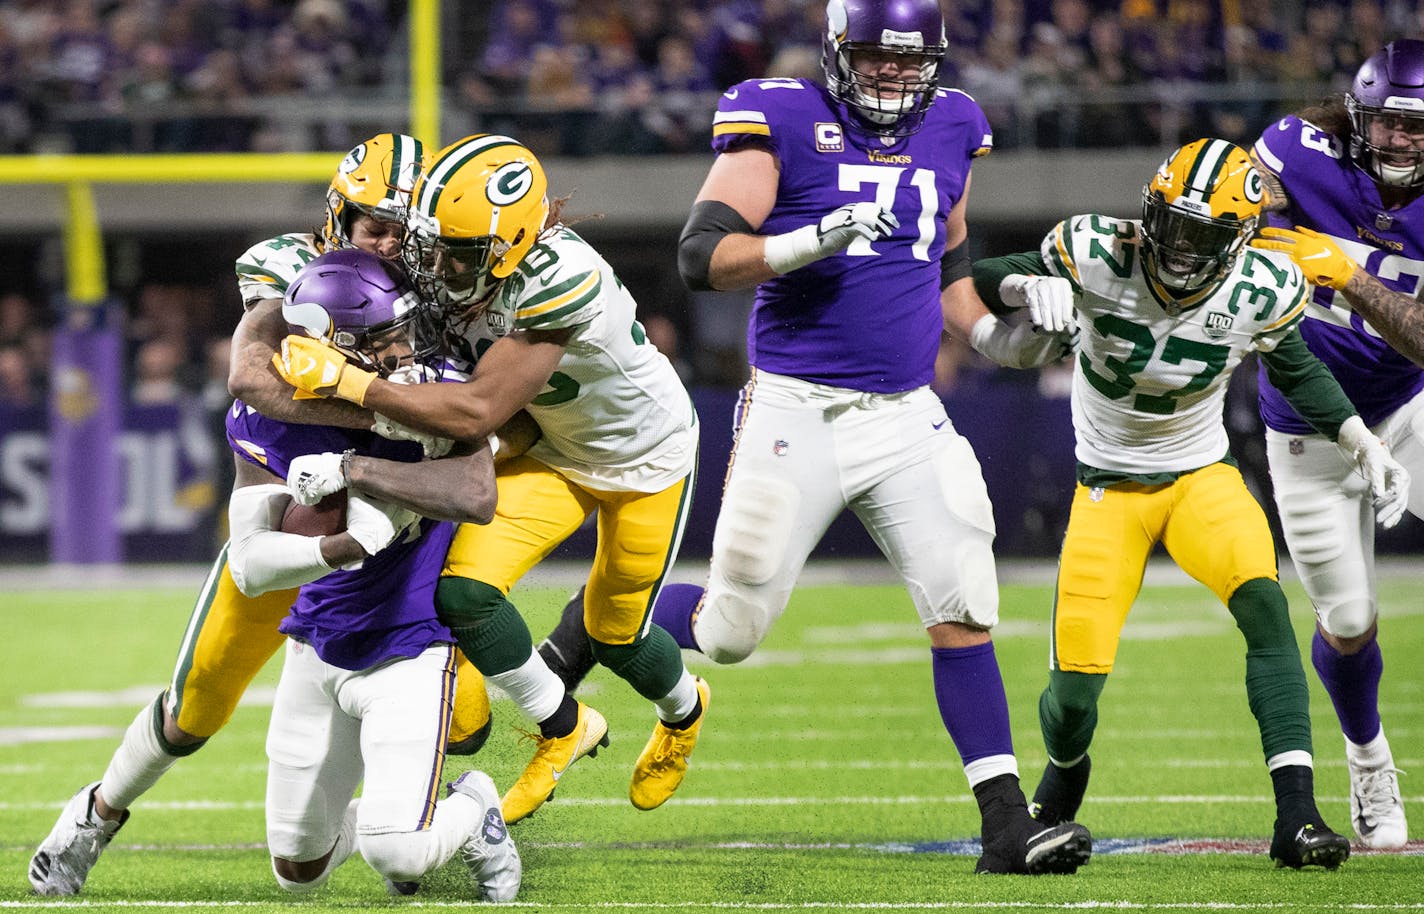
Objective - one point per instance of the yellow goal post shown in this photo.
(85, 279)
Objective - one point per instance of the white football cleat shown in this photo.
(1376, 808)
(490, 852)
(73, 846)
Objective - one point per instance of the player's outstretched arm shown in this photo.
(1399, 318)
(251, 378)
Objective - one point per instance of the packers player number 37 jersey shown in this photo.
(1151, 373)
(614, 414)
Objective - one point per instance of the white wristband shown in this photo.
(793, 250)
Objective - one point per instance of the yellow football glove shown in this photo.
(1317, 255)
(318, 368)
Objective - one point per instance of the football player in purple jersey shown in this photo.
(845, 207)
(368, 676)
(1349, 175)
(230, 635)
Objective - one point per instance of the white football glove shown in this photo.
(433, 445)
(1388, 479)
(1020, 345)
(834, 233)
(375, 524)
(312, 477)
(1049, 300)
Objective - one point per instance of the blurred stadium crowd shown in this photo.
(582, 77)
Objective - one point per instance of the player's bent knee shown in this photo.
(1347, 619)
(730, 627)
(300, 878)
(463, 601)
(472, 743)
(754, 527)
(397, 856)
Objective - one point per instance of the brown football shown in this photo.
(325, 518)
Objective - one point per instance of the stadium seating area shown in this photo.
(601, 77)
(641, 76)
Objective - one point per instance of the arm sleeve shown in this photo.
(261, 557)
(991, 271)
(1307, 385)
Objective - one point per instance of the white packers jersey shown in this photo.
(1151, 374)
(268, 267)
(614, 414)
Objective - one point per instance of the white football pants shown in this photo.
(803, 453)
(328, 724)
(1329, 520)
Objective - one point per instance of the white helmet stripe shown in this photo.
(1202, 177)
(405, 167)
(453, 158)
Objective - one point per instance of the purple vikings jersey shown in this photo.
(386, 608)
(1329, 193)
(867, 318)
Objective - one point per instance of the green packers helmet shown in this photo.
(375, 179)
(1198, 212)
(477, 209)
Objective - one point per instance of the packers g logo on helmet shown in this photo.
(510, 183)
(374, 179)
(1198, 212)
(477, 209)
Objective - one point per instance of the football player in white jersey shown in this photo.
(554, 333)
(230, 636)
(1168, 305)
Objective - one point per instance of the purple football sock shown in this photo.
(675, 609)
(1352, 682)
(970, 694)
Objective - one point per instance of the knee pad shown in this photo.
(464, 602)
(1347, 619)
(1313, 534)
(398, 856)
(753, 528)
(730, 626)
(489, 629)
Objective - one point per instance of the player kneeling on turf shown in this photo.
(369, 672)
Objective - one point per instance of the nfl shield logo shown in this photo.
(1384, 221)
(1297, 447)
(780, 447)
(1218, 324)
(1095, 493)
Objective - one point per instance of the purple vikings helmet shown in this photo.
(1386, 105)
(913, 31)
(364, 306)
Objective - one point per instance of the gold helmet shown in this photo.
(1198, 212)
(477, 209)
(375, 179)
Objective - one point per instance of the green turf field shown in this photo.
(824, 778)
